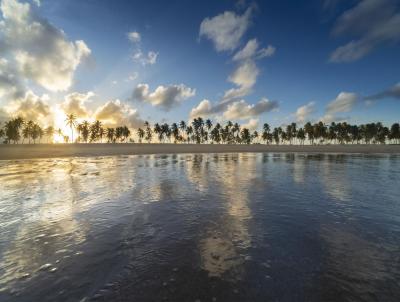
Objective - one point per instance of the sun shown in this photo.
(63, 132)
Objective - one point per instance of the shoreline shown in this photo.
(20, 151)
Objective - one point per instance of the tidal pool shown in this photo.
(205, 227)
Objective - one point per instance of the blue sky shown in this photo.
(332, 60)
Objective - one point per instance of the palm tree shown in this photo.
(149, 133)
(118, 133)
(175, 132)
(126, 133)
(27, 131)
(166, 130)
(182, 127)
(36, 132)
(255, 136)
(265, 135)
(214, 134)
(277, 135)
(102, 132)
(40, 133)
(309, 130)
(189, 132)
(394, 133)
(198, 127)
(204, 132)
(110, 135)
(140, 133)
(71, 122)
(2, 133)
(49, 132)
(245, 136)
(301, 135)
(158, 131)
(12, 129)
(60, 133)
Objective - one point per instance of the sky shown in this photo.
(125, 62)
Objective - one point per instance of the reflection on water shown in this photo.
(215, 227)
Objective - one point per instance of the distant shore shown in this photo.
(19, 151)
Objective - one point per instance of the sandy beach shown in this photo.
(8, 152)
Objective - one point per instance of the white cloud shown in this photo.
(241, 110)
(116, 113)
(41, 52)
(374, 22)
(344, 102)
(30, 107)
(149, 58)
(164, 97)
(203, 109)
(134, 36)
(145, 59)
(251, 51)
(330, 118)
(252, 124)
(226, 29)
(74, 103)
(304, 112)
(244, 76)
(246, 73)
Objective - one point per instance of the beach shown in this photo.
(26, 151)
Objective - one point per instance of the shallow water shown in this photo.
(225, 227)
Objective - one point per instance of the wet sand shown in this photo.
(20, 151)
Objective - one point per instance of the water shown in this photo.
(227, 227)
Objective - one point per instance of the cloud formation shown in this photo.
(145, 59)
(10, 83)
(134, 36)
(244, 77)
(252, 51)
(303, 113)
(164, 97)
(226, 30)
(40, 51)
(252, 124)
(116, 113)
(203, 109)
(374, 22)
(149, 58)
(74, 103)
(344, 102)
(30, 107)
(241, 110)
(391, 92)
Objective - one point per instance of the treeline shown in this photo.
(204, 131)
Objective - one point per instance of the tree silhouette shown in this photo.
(49, 132)
(200, 131)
